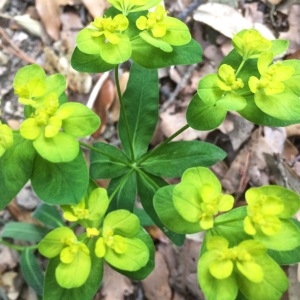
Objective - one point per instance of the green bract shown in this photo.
(161, 31)
(53, 127)
(118, 243)
(90, 211)
(271, 94)
(223, 271)
(105, 37)
(126, 6)
(6, 138)
(32, 86)
(199, 197)
(75, 262)
(269, 213)
(249, 43)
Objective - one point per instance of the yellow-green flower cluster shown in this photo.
(52, 124)
(227, 80)
(115, 237)
(110, 28)
(198, 198)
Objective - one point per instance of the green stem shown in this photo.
(169, 139)
(240, 67)
(16, 247)
(123, 110)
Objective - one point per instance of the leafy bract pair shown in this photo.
(52, 124)
(234, 255)
(118, 238)
(225, 271)
(116, 37)
(249, 82)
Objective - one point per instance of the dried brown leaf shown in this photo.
(95, 8)
(115, 285)
(156, 285)
(49, 13)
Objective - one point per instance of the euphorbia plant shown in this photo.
(242, 246)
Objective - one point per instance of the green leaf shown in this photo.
(32, 271)
(169, 216)
(252, 113)
(24, 231)
(172, 159)
(122, 222)
(147, 186)
(273, 285)
(82, 122)
(230, 226)
(151, 57)
(49, 215)
(145, 220)
(284, 106)
(287, 238)
(215, 289)
(232, 101)
(108, 161)
(91, 63)
(286, 257)
(75, 271)
(147, 269)
(132, 259)
(279, 46)
(209, 90)
(59, 183)
(139, 117)
(16, 167)
(55, 241)
(58, 149)
(124, 189)
(53, 290)
(201, 116)
(55, 83)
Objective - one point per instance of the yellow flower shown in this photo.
(110, 27)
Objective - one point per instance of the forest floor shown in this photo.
(43, 32)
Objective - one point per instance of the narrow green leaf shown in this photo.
(144, 218)
(90, 63)
(108, 161)
(24, 231)
(147, 186)
(49, 215)
(32, 271)
(16, 168)
(125, 195)
(60, 183)
(172, 159)
(149, 56)
(140, 103)
(87, 291)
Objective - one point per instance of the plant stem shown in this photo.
(123, 110)
(168, 140)
(240, 67)
(16, 247)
